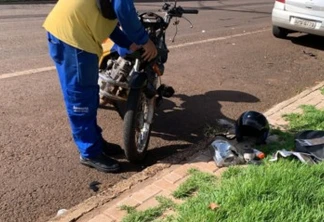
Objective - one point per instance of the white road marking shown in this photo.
(27, 72)
(51, 68)
(216, 39)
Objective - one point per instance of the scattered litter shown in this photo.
(253, 156)
(258, 154)
(228, 152)
(249, 155)
(309, 147)
(233, 43)
(309, 54)
(60, 212)
(94, 186)
(225, 123)
(303, 157)
(236, 148)
(213, 206)
(224, 153)
(311, 142)
(203, 31)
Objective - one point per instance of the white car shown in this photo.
(298, 16)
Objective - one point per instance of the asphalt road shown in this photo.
(227, 63)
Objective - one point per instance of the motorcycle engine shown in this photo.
(118, 71)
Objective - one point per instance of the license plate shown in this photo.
(304, 23)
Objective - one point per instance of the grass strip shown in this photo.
(283, 191)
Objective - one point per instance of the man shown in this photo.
(75, 31)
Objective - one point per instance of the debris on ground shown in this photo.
(213, 206)
(310, 54)
(60, 212)
(272, 138)
(303, 157)
(239, 147)
(94, 186)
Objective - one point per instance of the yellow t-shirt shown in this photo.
(79, 24)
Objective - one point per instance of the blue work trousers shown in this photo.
(78, 75)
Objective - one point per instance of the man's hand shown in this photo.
(150, 51)
(133, 47)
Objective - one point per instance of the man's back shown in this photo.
(79, 24)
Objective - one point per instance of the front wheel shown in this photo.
(137, 125)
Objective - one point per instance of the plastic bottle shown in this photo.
(248, 155)
(259, 154)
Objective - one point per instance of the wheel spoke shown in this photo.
(143, 128)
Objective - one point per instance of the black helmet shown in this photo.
(252, 124)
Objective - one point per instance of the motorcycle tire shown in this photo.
(131, 127)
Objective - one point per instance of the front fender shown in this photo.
(138, 80)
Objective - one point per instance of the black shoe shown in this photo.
(101, 163)
(111, 149)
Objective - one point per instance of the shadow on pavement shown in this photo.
(310, 41)
(187, 121)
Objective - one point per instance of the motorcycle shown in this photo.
(136, 82)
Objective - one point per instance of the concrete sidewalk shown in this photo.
(143, 194)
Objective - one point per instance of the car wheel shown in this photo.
(279, 32)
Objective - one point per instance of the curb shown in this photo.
(279, 107)
(310, 96)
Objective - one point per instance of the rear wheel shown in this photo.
(137, 125)
(279, 32)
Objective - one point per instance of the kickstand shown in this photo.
(117, 107)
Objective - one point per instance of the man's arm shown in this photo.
(128, 19)
(119, 37)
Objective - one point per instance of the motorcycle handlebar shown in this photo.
(189, 11)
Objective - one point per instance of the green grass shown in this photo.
(322, 90)
(285, 141)
(311, 118)
(194, 183)
(283, 191)
(149, 214)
